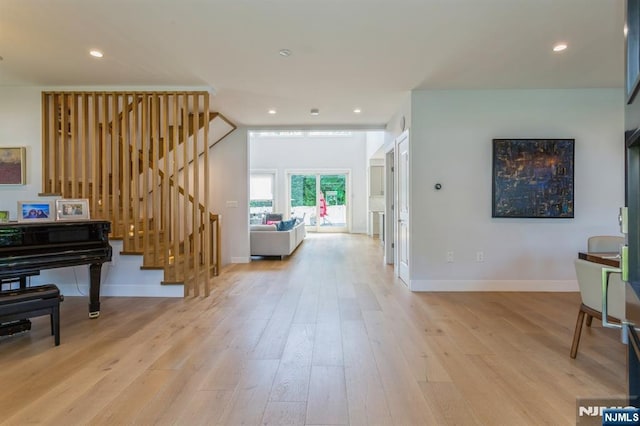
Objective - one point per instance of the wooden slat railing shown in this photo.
(135, 156)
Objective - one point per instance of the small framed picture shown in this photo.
(72, 209)
(4, 216)
(35, 211)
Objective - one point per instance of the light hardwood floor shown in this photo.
(324, 337)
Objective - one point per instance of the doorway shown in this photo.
(321, 199)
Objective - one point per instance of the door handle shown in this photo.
(624, 262)
(605, 296)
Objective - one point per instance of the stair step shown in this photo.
(152, 268)
(171, 282)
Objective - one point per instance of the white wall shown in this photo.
(394, 127)
(20, 125)
(318, 153)
(451, 142)
(229, 161)
(375, 142)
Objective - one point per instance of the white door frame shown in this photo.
(389, 218)
(402, 271)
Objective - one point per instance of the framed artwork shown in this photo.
(4, 216)
(72, 209)
(35, 211)
(12, 166)
(533, 178)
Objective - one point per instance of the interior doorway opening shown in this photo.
(339, 157)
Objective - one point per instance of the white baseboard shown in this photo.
(494, 285)
(240, 259)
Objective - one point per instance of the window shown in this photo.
(261, 196)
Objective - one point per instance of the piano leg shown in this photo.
(94, 289)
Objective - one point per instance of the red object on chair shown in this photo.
(323, 206)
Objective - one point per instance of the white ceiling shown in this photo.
(346, 53)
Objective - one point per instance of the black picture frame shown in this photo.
(533, 178)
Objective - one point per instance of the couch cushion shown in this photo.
(263, 228)
(286, 225)
(272, 217)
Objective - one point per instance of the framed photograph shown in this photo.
(12, 166)
(72, 209)
(35, 211)
(4, 216)
(533, 178)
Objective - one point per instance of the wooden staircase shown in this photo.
(141, 159)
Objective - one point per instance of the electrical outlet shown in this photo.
(450, 257)
(479, 256)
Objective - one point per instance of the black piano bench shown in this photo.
(18, 304)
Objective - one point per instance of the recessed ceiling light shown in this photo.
(315, 111)
(559, 47)
(272, 111)
(285, 52)
(96, 53)
(357, 110)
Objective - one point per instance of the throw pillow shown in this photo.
(276, 217)
(286, 225)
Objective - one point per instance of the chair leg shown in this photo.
(577, 332)
(589, 319)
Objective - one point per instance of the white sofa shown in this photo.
(266, 240)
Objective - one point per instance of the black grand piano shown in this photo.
(27, 248)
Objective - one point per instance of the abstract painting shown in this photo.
(12, 166)
(533, 178)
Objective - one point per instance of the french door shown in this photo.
(321, 199)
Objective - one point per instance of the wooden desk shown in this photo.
(609, 259)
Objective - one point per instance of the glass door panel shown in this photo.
(332, 207)
(303, 196)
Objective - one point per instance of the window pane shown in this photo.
(334, 189)
(260, 197)
(261, 187)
